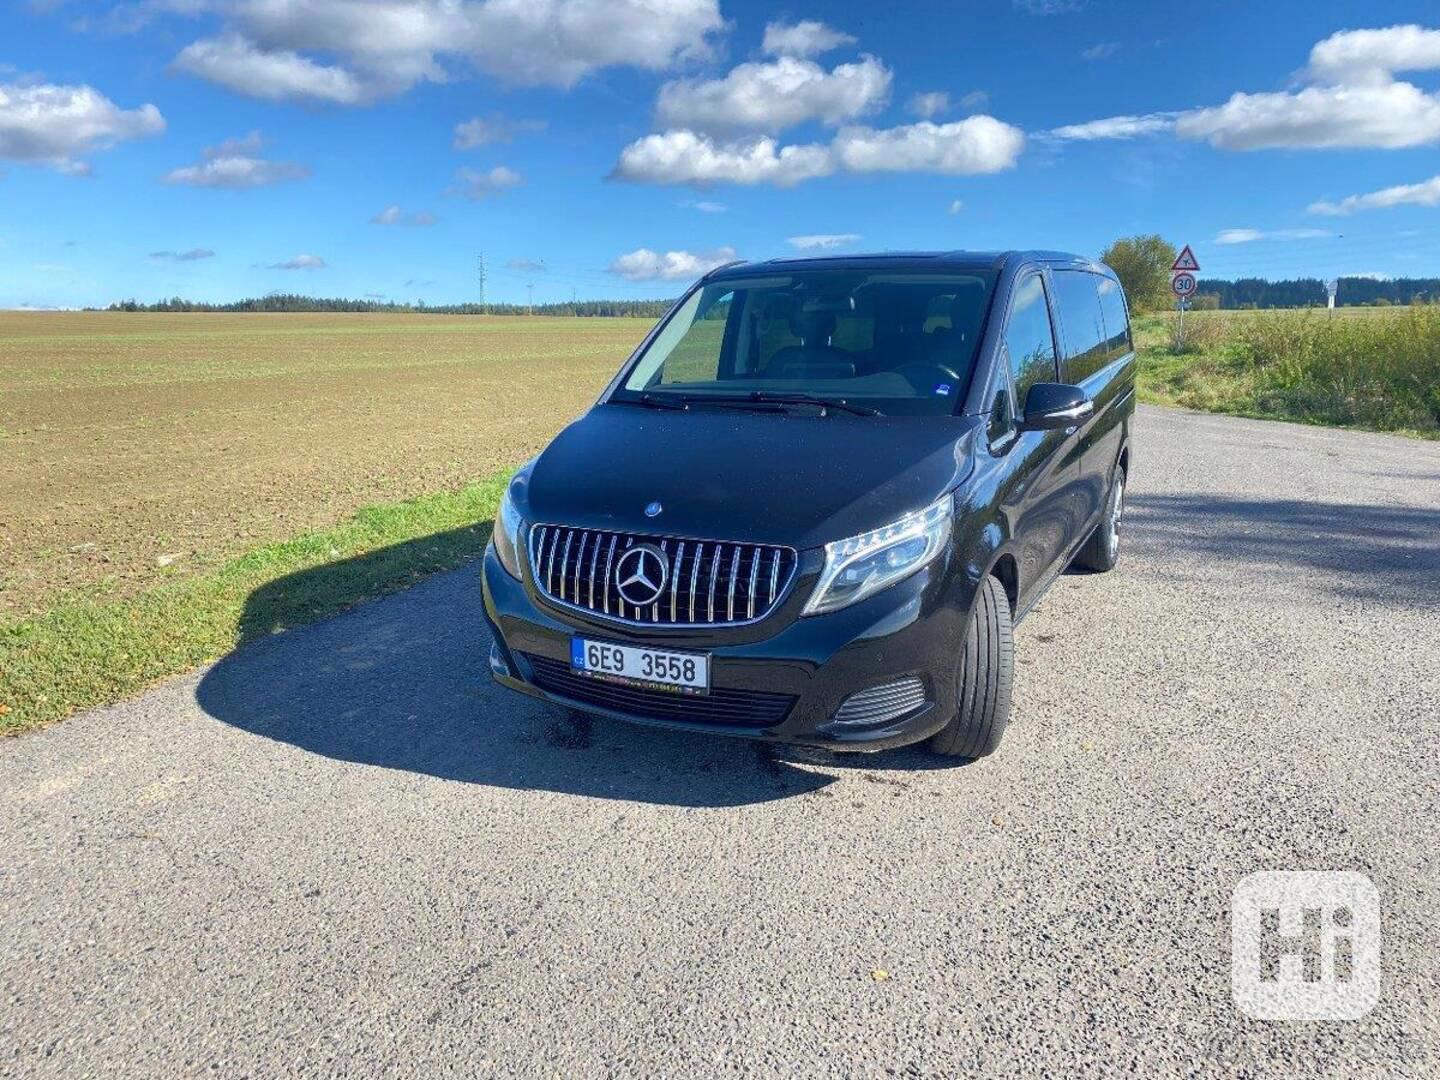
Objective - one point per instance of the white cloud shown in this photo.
(1425, 193)
(527, 266)
(1049, 7)
(476, 184)
(1116, 127)
(823, 241)
(955, 207)
(805, 38)
(394, 215)
(1250, 236)
(1357, 102)
(975, 99)
(384, 47)
(683, 157)
(276, 75)
(1371, 56)
(773, 96)
(46, 124)
(705, 206)
(193, 255)
(1102, 51)
(979, 144)
(1352, 100)
(233, 164)
(299, 262)
(481, 130)
(646, 265)
(928, 106)
(1386, 117)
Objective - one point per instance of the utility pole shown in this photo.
(482, 279)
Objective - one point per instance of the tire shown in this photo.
(1102, 550)
(987, 668)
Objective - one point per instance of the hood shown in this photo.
(790, 477)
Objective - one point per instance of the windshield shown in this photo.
(895, 342)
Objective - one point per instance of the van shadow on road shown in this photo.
(1370, 552)
(404, 683)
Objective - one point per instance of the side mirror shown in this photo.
(1056, 405)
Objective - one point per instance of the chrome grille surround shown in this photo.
(709, 583)
(880, 703)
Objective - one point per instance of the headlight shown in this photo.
(506, 535)
(863, 565)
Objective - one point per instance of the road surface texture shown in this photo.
(343, 850)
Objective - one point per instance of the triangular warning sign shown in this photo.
(1185, 261)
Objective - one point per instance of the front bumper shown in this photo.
(912, 630)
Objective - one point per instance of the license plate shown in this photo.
(652, 669)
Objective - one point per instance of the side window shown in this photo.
(1029, 340)
(1077, 296)
(1117, 322)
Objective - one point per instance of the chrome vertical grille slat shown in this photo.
(694, 576)
(579, 562)
(565, 560)
(576, 568)
(734, 576)
(594, 557)
(550, 566)
(609, 555)
(675, 577)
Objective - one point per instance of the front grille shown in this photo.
(706, 582)
(742, 708)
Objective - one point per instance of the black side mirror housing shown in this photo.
(1049, 406)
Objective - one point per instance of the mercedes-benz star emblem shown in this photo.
(640, 575)
(653, 509)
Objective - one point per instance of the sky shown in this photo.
(218, 149)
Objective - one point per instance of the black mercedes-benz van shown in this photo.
(814, 502)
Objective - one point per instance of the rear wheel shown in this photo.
(1102, 551)
(987, 666)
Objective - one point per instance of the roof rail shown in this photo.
(723, 266)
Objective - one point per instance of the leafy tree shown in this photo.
(1143, 265)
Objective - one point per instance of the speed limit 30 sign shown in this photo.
(1183, 285)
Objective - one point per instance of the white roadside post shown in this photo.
(1331, 288)
(1183, 285)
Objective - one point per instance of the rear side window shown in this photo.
(1077, 295)
(1029, 340)
(1117, 323)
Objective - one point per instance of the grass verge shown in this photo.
(86, 652)
(1380, 373)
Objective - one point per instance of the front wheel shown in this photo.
(1102, 551)
(987, 667)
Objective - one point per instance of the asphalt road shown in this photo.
(344, 850)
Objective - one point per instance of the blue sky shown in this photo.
(215, 149)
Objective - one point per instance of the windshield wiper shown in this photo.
(654, 401)
(777, 397)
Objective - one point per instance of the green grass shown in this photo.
(1379, 371)
(87, 651)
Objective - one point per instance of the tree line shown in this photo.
(642, 309)
(1142, 263)
(1310, 292)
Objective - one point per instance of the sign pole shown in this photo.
(1183, 284)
